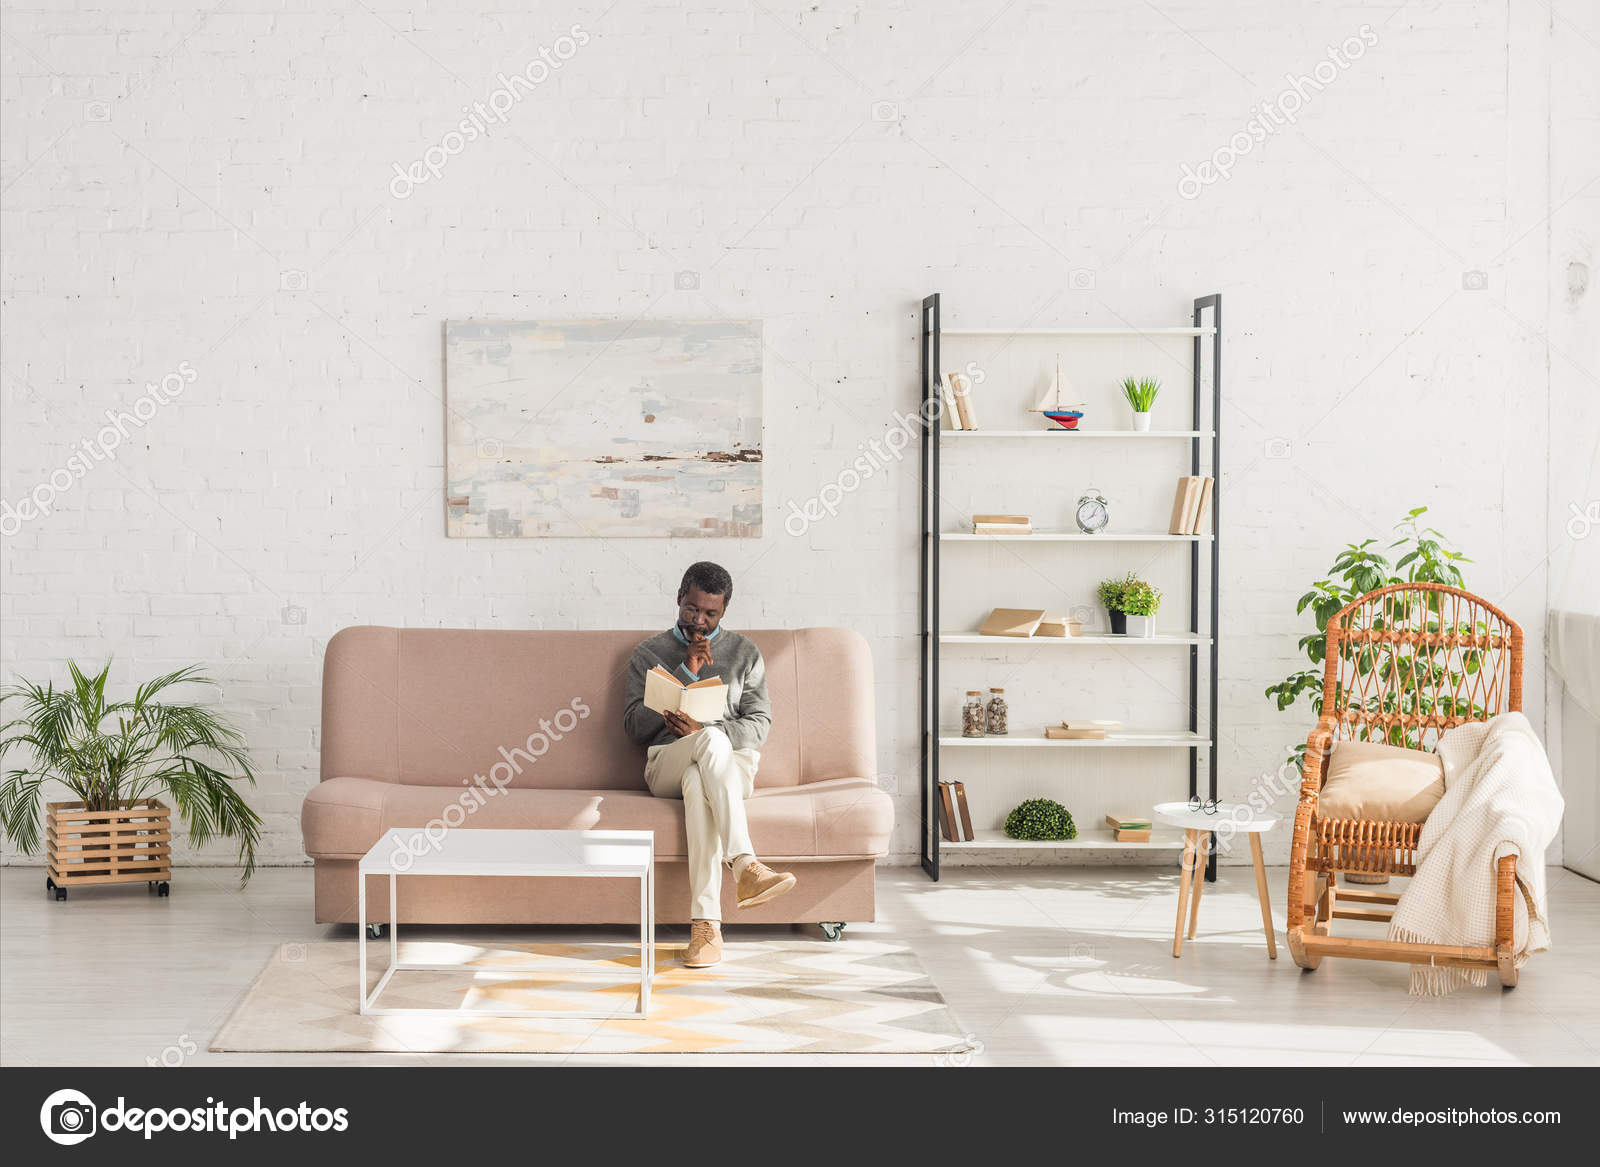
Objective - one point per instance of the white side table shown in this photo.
(1197, 828)
(463, 851)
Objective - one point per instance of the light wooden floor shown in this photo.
(1044, 966)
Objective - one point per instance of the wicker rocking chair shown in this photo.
(1403, 664)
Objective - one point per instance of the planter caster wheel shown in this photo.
(50, 885)
(163, 888)
(375, 931)
(832, 929)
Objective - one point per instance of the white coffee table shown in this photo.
(1198, 827)
(518, 854)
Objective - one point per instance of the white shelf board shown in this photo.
(1186, 331)
(1086, 841)
(1073, 536)
(1064, 641)
(1064, 436)
(1123, 738)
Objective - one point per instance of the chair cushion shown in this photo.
(1374, 781)
(838, 818)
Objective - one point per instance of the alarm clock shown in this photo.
(1093, 513)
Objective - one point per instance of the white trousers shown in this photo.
(713, 779)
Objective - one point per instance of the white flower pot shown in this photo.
(1141, 422)
(1141, 625)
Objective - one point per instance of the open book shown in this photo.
(705, 700)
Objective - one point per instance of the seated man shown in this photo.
(711, 767)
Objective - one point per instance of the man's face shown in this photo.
(699, 612)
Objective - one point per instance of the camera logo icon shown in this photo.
(491, 448)
(686, 281)
(68, 1117)
(1474, 281)
(293, 280)
(1277, 449)
(885, 111)
(1081, 279)
(292, 614)
(96, 111)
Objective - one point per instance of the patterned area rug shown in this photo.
(855, 996)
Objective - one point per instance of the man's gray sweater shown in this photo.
(735, 660)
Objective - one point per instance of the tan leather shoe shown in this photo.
(705, 944)
(758, 883)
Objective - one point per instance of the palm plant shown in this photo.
(154, 746)
(1141, 392)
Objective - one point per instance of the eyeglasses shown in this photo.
(1209, 806)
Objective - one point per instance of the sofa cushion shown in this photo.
(839, 818)
(1372, 780)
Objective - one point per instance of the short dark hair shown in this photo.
(711, 578)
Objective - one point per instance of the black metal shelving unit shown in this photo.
(1207, 325)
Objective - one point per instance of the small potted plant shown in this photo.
(115, 757)
(1111, 600)
(1141, 393)
(1140, 602)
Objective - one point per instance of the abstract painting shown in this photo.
(603, 429)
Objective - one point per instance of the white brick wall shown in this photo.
(173, 172)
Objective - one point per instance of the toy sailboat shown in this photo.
(1053, 406)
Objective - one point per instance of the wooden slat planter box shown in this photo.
(131, 844)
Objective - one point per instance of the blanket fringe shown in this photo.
(1437, 980)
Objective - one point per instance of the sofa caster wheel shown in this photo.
(163, 888)
(375, 931)
(832, 929)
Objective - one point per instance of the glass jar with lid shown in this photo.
(973, 716)
(997, 713)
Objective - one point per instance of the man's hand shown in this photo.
(681, 723)
(699, 656)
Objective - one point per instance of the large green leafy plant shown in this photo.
(1423, 557)
(109, 753)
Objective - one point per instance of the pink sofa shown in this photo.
(411, 714)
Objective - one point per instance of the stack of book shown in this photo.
(1001, 525)
(1058, 626)
(955, 820)
(1129, 828)
(1191, 506)
(1080, 730)
(1012, 622)
(1028, 622)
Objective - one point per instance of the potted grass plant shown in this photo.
(1110, 593)
(1140, 602)
(1141, 393)
(117, 758)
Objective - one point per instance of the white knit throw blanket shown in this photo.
(1500, 799)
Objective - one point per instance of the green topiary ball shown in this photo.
(1041, 818)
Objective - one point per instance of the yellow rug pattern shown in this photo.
(855, 996)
